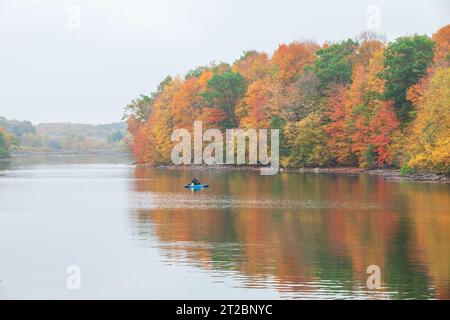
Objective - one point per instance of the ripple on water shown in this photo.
(168, 200)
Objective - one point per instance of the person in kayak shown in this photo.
(195, 182)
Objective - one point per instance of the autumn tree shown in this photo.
(302, 97)
(253, 65)
(290, 60)
(442, 47)
(307, 143)
(382, 126)
(292, 87)
(161, 123)
(363, 99)
(137, 114)
(142, 140)
(186, 103)
(429, 141)
(339, 141)
(254, 109)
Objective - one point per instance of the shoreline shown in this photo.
(388, 174)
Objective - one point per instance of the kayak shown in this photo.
(196, 186)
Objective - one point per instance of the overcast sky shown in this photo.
(56, 67)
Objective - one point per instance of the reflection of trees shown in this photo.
(299, 247)
(431, 223)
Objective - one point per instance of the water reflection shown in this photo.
(304, 235)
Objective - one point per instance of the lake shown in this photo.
(135, 232)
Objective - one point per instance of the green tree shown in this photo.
(334, 64)
(405, 62)
(246, 54)
(140, 108)
(224, 91)
(195, 73)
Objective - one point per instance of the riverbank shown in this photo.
(388, 174)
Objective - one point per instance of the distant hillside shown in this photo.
(78, 129)
(17, 128)
(65, 137)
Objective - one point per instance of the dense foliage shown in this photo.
(357, 102)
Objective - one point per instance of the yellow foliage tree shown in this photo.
(430, 132)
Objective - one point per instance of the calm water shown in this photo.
(136, 233)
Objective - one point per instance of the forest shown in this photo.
(23, 137)
(360, 102)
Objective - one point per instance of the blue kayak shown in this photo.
(196, 186)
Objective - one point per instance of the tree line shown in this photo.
(359, 102)
(23, 136)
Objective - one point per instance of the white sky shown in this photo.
(49, 72)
